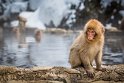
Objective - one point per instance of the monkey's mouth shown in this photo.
(90, 38)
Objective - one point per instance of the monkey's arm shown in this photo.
(98, 60)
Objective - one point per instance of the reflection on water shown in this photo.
(52, 50)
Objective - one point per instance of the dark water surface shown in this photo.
(52, 50)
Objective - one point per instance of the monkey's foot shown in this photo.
(101, 69)
(90, 73)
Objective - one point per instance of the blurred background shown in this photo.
(40, 32)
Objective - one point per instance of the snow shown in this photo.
(14, 23)
(119, 22)
(73, 16)
(105, 3)
(69, 21)
(7, 11)
(48, 10)
(45, 11)
(33, 20)
(112, 17)
(73, 11)
(108, 26)
(74, 20)
(16, 7)
(82, 6)
(26, 14)
(76, 2)
(54, 10)
(34, 4)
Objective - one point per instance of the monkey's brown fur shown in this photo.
(84, 51)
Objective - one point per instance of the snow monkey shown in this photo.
(88, 46)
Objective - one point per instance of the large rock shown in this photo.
(8, 74)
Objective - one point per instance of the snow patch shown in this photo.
(33, 20)
(82, 6)
(108, 26)
(52, 11)
(112, 17)
(105, 3)
(14, 23)
(55, 10)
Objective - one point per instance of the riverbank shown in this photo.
(9, 74)
(60, 30)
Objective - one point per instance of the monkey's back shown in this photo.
(79, 41)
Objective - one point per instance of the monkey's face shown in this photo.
(93, 30)
(90, 34)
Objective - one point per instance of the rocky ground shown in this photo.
(9, 74)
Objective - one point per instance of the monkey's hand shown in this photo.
(90, 73)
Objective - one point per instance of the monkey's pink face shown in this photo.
(90, 34)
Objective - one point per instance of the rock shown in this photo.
(113, 29)
(57, 30)
(9, 74)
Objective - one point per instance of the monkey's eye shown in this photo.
(91, 31)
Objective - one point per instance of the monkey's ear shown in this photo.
(103, 29)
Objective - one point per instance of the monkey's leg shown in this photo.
(74, 59)
(87, 66)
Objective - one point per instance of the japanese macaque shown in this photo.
(22, 22)
(88, 47)
(38, 35)
(21, 25)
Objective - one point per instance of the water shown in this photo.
(114, 49)
(52, 50)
